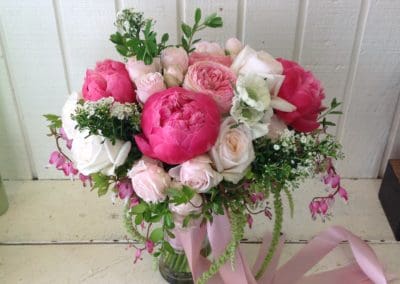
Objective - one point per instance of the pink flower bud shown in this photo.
(343, 193)
(69, 170)
(57, 159)
(323, 207)
(138, 255)
(149, 246)
(65, 138)
(335, 180)
(125, 189)
(85, 180)
(134, 201)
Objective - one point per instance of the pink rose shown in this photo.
(197, 173)
(212, 79)
(149, 84)
(108, 79)
(175, 62)
(178, 125)
(137, 68)
(209, 51)
(303, 90)
(149, 180)
(233, 46)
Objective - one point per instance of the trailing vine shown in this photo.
(128, 223)
(278, 210)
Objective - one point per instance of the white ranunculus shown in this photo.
(197, 173)
(69, 109)
(261, 63)
(149, 180)
(233, 152)
(95, 153)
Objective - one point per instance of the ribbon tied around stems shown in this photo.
(365, 269)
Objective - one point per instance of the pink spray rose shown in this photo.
(303, 90)
(108, 79)
(209, 51)
(137, 68)
(149, 84)
(178, 125)
(212, 79)
(175, 62)
(149, 180)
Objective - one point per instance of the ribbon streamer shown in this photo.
(365, 269)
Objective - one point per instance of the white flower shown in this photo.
(95, 153)
(233, 152)
(196, 173)
(69, 109)
(149, 180)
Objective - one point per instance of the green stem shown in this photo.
(278, 210)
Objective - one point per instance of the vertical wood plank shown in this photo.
(163, 12)
(329, 34)
(36, 70)
(14, 159)
(85, 27)
(227, 9)
(374, 92)
(271, 26)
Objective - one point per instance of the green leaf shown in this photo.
(186, 221)
(168, 247)
(157, 235)
(329, 123)
(197, 15)
(164, 38)
(122, 49)
(116, 38)
(140, 208)
(188, 192)
(55, 120)
(101, 182)
(187, 30)
(138, 219)
(336, 112)
(215, 23)
(169, 221)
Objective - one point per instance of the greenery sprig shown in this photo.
(211, 21)
(135, 36)
(331, 110)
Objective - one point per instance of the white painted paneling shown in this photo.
(85, 27)
(163, 12)
(372, 96)
(14, 159)
(328, 37)
(271, 26)
(227, 9)
(32, 48)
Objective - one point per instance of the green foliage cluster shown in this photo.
(98, 119)
(135, 36)
(329, 111)
(210, 21)
(54, 123)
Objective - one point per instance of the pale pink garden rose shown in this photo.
(149, 180)
(137, 68)
(182, 210)
(196, 173)
(149, 84)
(233, 152)
(209, 51)
(233, 46)
(175, 62)
(214, 80)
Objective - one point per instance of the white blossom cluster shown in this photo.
(116, 109)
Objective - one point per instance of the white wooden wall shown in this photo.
(353, 46)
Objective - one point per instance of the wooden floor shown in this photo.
(57, 232)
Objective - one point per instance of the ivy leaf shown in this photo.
(101, 182)
(157, 235)
(54, 120)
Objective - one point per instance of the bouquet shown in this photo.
(189, 133)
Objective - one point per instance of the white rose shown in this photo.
(95, 153)
(197, 173)
(149, 180)
(233, 152)
(69, 109)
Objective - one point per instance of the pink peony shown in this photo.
(303, 90)
(149, 84)
(108, 79)
(178, 125)
(212, 79)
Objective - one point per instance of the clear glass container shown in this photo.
(3, 198)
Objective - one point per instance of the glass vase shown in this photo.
(3, 199)
(174, 267)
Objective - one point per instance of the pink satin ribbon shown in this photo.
(365, 269)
